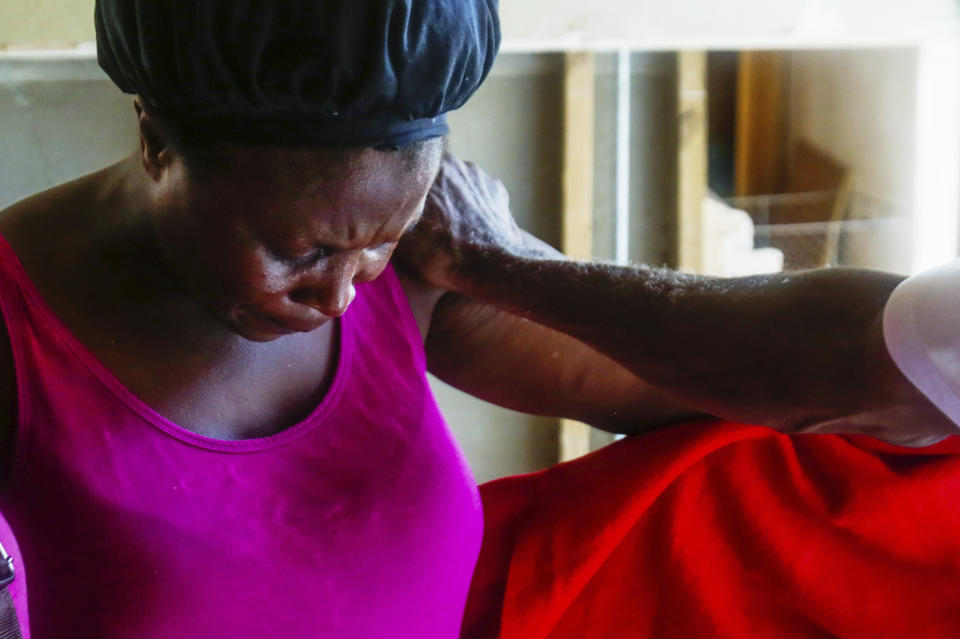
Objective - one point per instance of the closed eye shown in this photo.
(321, 253)
(309, 259)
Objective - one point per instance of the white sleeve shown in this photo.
(921, 327)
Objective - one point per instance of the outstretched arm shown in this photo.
(525, 366)
(798, 352)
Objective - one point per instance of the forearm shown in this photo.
(525, 366)
(799, 352)
(793, 351)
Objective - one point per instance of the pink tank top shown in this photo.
(362, 521)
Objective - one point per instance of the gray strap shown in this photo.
(9, 625)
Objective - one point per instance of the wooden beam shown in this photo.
(760, 146)
(691, 157)
(578, 152)
(578, 155)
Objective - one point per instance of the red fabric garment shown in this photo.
(713, 529)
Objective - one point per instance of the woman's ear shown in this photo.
(154, 151)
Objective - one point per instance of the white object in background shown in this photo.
(921, 325)
(656, 25)
(728, 244)
(936, 223)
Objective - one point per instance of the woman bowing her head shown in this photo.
(215, 419)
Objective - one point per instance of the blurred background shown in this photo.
(725, 137)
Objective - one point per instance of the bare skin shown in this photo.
(183, 301)
(797, 352)
(210, 294)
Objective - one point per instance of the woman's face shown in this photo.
(273, 241)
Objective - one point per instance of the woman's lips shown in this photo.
(287, 327)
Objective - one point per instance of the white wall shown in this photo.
(58, 120)
(45, 22)
(646, 24)
(654, 24)
(893, 116)
(936, 228)
(860, 107)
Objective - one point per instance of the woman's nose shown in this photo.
(329, 288)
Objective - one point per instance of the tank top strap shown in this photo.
(19, 300)
(29, 323)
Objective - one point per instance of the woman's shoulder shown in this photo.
(27, 224)
(33, 228)
(53, 235)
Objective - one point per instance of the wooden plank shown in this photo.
(577, 226)
(578, 153)
(760, 149)
(691, 157)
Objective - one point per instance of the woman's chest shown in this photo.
(238, 390)
(360, 527)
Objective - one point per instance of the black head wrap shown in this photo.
(335, 73)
